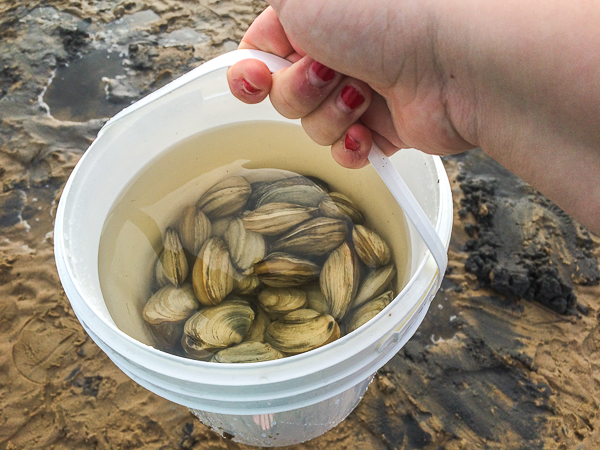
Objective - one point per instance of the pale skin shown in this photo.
(520, 79)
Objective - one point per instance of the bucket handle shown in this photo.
(380, 162)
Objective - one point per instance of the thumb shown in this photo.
(336, 33)
(276, 4)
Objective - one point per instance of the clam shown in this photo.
(167, 334)
(339, 279)
(247, 352)
(335, 334)
(316, 236)
(172, 266)
(282, 300)
(225, 198)
(366, 312)
(284, 270)
(259, 326)
(171, 304)
(245, 247)
(217, 327)
(297, 190)
(212, 276)
(370, 248)
(339, 206)
(301, 331)
(194, 228)
(196, 350)
(276, 218)
(219, 226)
(322, 184)
(246, 284)
(316, 299)
(374, 284)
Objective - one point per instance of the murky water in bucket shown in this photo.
(133, 233)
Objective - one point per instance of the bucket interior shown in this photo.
(171, 142)
(132, 235)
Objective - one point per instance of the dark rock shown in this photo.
(74, 40)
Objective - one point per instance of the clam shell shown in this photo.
(282, 300)
(339, 279)
(316, 299)
(167, 334)
(335, 334)
(276, 218)
(338, 206)
(259, 326)
(370, 248)
(219, 226)
(218, 326)
(316, 236)
(194, 228)
(366, 312)
(172, 266)
(171, 304)
(245, 247)
(284, 270)
(225, 198)
(196, 350)
(297, 190)
(212, 276)
(322, 184)
(374, 284)
(247, 352)
(247, 284)
(301, 331)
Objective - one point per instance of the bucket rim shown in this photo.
(188, 369)
(139, 352)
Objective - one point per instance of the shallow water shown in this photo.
(78, 93)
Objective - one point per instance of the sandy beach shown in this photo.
(508, 356)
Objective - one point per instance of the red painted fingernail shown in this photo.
(323, 72)
(351, 144)
(248, 88)
(352, 97)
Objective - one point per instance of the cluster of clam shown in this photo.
(255, 272)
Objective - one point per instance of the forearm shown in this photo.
(527, 90)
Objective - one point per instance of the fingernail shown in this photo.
(351, 98)
(319, 75)
(248, 88)
(351, 144)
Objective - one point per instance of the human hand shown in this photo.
(521, 80)
(365, 97)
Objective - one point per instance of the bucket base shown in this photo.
(288, 427)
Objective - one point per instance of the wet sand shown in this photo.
(507, 358)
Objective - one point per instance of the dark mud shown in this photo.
(507, 358)
(522, 245)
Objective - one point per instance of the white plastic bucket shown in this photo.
(272, 403)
